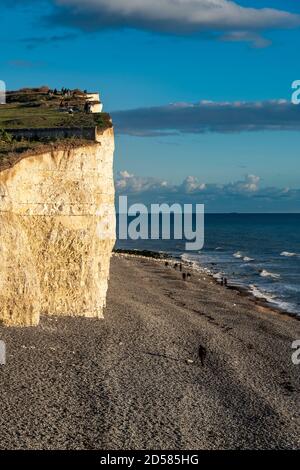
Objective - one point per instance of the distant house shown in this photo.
(95, 105)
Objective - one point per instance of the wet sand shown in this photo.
(174, 365)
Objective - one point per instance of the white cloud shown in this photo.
(175, 16)
(191, 184)
(249, 185)
(224, 20)
(246, 194)
(256, 40)
(125, 174)
(129, 183)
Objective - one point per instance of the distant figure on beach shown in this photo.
(166, 263)
(180, 267)
(202, 354)
(184, 276)
(175, 265)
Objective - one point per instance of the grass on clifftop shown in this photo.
(18, 116)
(43, 108)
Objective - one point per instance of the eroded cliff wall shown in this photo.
(57, 231)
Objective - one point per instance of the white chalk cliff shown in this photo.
(57, 231)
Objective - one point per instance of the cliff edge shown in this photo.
(57, 231)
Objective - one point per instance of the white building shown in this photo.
(95, 104)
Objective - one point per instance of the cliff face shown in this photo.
(57, 231)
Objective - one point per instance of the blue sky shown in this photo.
(144, 55)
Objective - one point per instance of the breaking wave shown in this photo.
(247, 259)
(265, 273)
(288, 254)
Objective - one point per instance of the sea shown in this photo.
(259, 253)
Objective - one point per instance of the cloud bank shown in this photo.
(226, 20)
(247, 194)
(208, 116)
(173, 16)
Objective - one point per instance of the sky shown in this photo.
(199, 90)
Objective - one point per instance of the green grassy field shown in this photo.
(16, 116)
(27, 109)
(33, 108)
